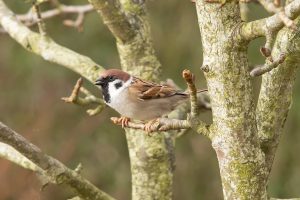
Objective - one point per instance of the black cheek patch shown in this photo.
(105, 92)
(106, 95)
(104, 86)
(118, 85)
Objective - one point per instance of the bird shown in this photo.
(134, 98)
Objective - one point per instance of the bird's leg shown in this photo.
(121, 120)
(151, 125)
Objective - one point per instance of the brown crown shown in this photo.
(116, 73)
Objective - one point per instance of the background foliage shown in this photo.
(30, 103)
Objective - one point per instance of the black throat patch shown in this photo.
(104, 85)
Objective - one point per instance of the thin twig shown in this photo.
(40, 22)
(257, 28)
(89, 98)
(162, 124)
(274, 7)
(78, 23)
(270, 38)
(189, 78)
(80, 10)
(268, 66)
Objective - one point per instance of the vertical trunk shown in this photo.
(151, 158)
(152, 165)
(234, 132)
(276, 93)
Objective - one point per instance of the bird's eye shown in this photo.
(118, 85)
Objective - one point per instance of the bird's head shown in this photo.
(111, 75)
(112, 82)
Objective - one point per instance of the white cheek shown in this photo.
(115, 92)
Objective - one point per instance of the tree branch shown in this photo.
(9, 153)
(53, 168)
(276, 93)
(46, 47)
(258, 28)
(162, 124)
(40, 22)
(137, 56)
(115, 19)
(29, 19)
(89, 98)
(189, 78)
(268, 66)
(272, 8)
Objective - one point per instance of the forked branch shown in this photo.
(274, 7)
(258, 28)
(30, 19)
(89, 98)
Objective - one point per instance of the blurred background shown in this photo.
(30, 103)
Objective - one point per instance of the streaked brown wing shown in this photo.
(147, 90)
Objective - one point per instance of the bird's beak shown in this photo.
(99, 81)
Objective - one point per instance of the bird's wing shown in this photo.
(148, 90)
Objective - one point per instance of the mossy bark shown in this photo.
(234, 132)
(275, 97)
(151, 157)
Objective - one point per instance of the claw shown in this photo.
(122, 120)
(151, 125)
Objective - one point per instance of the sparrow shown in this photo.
(137, 99)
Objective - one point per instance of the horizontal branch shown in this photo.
(46, 47)
(165, 124)
(53, 168)
(258, 28)
(161, 124)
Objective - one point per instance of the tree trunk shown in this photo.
(151, 158)
(234, 132)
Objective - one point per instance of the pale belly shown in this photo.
(143, 109)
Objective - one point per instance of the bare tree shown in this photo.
(244, 136)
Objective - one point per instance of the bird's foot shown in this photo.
(151, 125)
(123, 121)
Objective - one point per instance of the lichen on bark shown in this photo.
(151, 158)
(234, 132)
(275, 97)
